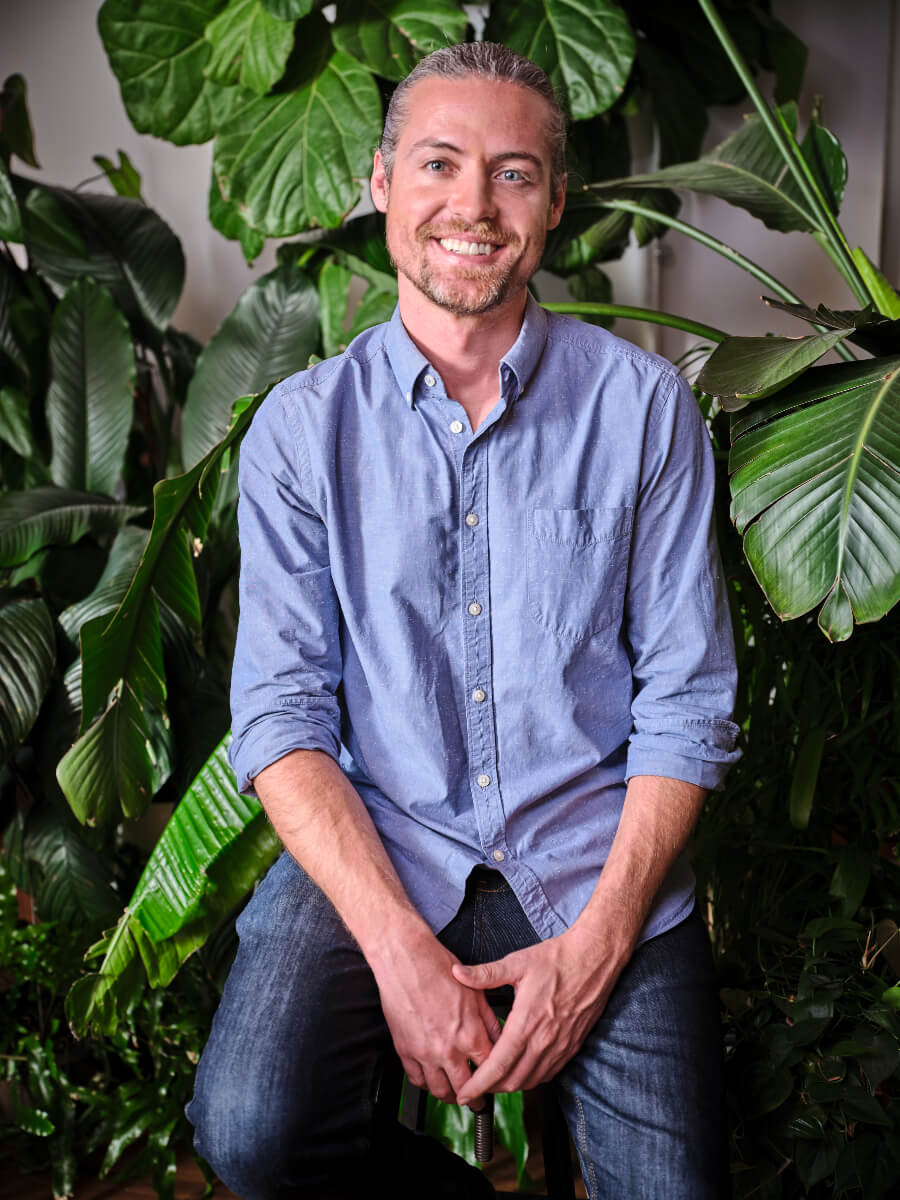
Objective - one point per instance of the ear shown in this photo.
(557, 204)
(378, 184)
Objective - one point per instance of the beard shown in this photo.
(472, 289)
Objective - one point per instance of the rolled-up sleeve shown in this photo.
(287, 663)
(679, 627)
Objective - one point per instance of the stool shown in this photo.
(554, 1131)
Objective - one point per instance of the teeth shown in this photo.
(459, 247)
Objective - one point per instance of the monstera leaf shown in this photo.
(815, 491)
(213, 849)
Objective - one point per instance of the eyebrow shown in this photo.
(504, 156)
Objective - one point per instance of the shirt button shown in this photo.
(472, 519)
(498, 856)
(475, 608)
(483, 781)
(430, 381)
(456, 426)
(478, 695)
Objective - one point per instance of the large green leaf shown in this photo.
(816, 493)
(214, 848)
(270, 333)
(27, 659)
(109, 591)
(227, 217)
(250, 46)
(334, 290)
(158, 53)
(390, 36)
(358, 245)
(15, 422)
(110, 767)
(586, 48)
(51, 516)
(297, 158)
(10, 217)
(90, 403)
(742, 369)
(875, 333)
(74, 882)
(747, 170)
(124, 245)
(121, 655)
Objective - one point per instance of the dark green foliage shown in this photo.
(80, 1106)
(812, 1029)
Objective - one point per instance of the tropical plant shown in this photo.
(294, 103)
(815, 478)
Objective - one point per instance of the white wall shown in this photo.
(77, 112)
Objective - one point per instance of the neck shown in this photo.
(466, 350)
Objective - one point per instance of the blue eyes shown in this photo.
(508, 175)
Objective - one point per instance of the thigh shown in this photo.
(643, 1097)
(285, 1084)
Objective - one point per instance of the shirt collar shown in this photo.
(409, 363)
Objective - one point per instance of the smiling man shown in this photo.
(482, 683)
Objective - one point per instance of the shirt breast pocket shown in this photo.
(576, 568)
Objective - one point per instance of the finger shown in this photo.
(493, 1072)
(413, 1071)
(485, 976)
(490, 1018)
(439, 1085)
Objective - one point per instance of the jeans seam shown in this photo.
(581, 1134)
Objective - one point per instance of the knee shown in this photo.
(238, 1139)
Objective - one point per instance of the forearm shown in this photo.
(657, 819)
(437, 1024)
(324, 825)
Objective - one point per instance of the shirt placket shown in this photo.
(476, 599)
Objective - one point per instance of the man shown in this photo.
(482, 682)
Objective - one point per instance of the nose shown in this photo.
(472, 197)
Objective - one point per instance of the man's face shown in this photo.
(469, 202)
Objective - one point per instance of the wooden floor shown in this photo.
(190, 1184)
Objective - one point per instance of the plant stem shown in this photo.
(706, 239)
(790, 152)
(652, 315)
(726, 251)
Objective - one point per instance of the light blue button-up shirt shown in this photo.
(491, 631)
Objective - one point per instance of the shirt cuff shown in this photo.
(270, 739)
(701, 753)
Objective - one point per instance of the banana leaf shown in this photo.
(815, 486)
(215, 846)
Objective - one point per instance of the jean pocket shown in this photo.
(577, 565)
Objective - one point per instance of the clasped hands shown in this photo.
(443, 1026)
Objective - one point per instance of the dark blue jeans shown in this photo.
(283, 1104)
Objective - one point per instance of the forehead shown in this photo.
(476, 114)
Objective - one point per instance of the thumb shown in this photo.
(484, 975)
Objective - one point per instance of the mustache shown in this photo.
(481, 231)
